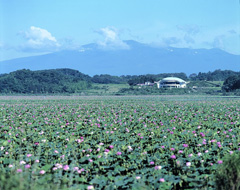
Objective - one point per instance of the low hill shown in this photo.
(44, 81)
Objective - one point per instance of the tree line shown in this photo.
(217, 75)
(73, 81)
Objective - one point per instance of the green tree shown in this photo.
(231, 83)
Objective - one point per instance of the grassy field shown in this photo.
(105, 89)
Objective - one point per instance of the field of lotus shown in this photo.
(117, 142)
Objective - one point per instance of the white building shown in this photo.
(171, 82)
(145, 84)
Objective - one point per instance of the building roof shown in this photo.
(173, 79)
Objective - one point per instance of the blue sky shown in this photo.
(32, 27)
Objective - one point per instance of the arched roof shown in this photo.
(173, 79)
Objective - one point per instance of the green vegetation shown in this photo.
(232, 83)
(228, 174)
(217, 75)
(69, 81)
(135, 142)
(46, 81)
(108, 79)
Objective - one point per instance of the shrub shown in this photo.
(228, 174)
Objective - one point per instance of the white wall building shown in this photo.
(172, 82)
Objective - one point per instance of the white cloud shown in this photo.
(188, 39)
(39, 34)
(227, 39)
(40, 40)
(170, 41)
(190, 31)
(218, 42)
(111, 39)
(69, 44)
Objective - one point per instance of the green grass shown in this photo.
(105, 89)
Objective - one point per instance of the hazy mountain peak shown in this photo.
(138, 59)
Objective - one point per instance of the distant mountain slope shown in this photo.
(138, 59)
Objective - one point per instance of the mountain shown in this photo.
(138, 59)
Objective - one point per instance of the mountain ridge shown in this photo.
(138, 59)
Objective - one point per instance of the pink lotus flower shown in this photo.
(27, 166)
(173, 156)
(10, 166)
(162, 180)
(19, 170)
(66, 167)
(119, 153)
(220, 162)
(90, 160)
(42, 172)
(58, 165)
(22, 162)
(158, 167)
(75, 169)
(90, 187)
